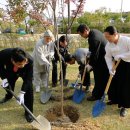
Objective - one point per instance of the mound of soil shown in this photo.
(54, 114)
(85, 125)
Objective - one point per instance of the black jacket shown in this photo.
(62, 50)
(6, 68)
(97, 43)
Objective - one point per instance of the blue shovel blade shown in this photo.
(98, 108)
(78, 96)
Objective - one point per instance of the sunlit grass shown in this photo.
(12, 115)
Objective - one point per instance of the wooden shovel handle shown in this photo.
(85, 68)
(110, 77)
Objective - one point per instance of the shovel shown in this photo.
(100, 105)
(40, 122)
(74, 85)
(46, 95)
(79, 94)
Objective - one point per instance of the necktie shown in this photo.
(15, 69)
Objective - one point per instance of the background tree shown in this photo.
(17, 10)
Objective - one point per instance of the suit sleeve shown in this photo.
(27, 77)
(93, 48)
(55, 51)
(3, 71)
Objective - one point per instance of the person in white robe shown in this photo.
(118, 47)
(42, 54)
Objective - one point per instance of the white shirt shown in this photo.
(121, 48)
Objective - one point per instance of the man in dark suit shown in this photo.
(15, 63)
(97, 43)
(61, 46)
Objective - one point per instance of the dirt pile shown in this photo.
(54, 114)
(85, 125)
(70, 120)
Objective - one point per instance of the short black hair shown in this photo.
(18, 55)
(82, 27)
(111, 30)
(68, 57)
(62, 38)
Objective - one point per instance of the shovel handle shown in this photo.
(22, 104)
(85, 69)
(110, 77)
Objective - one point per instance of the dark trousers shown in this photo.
(54, 71)
(86, 81)
(101, 75)
(119, 91)
(28, 97)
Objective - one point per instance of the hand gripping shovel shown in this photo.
(40, 122)
(100, 105)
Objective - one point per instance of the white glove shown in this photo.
(112, 73)
(21, 98)
(5, 83)
(52, 55)
(89, 67)
(117, 57)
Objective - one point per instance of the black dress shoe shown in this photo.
(29, 118)
(91, 98)
(123, 112)
(4, 100)
(111, 103)
(54, 85)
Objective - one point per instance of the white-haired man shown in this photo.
(43, 52)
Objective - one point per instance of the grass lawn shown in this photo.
(12, 115)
